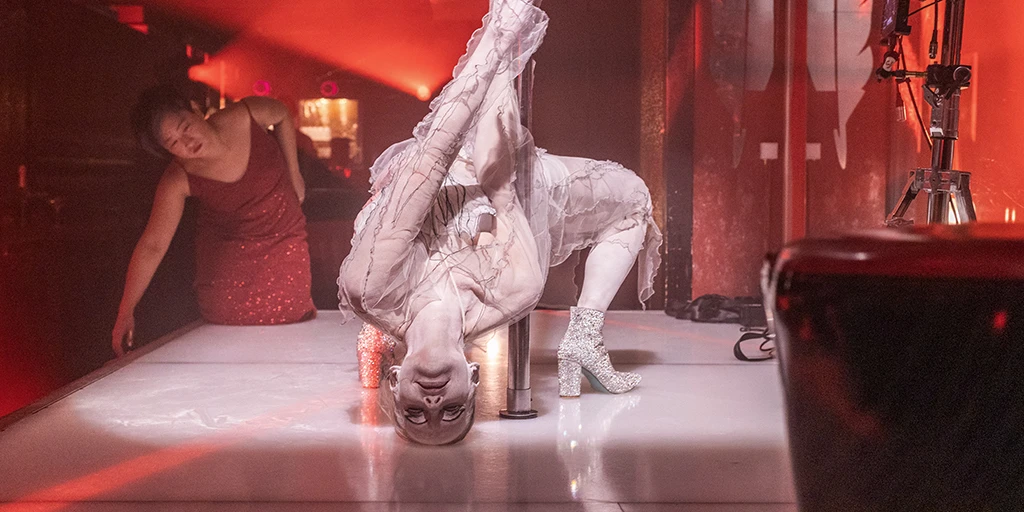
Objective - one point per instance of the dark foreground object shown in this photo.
(902, 357)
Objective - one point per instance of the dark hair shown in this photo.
(158, 101)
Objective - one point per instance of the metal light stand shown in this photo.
(945, 187)
(518, 395)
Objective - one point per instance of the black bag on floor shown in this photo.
(719, 309)
(749, 312)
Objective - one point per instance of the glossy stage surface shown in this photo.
(273, 418)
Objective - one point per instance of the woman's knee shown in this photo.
(635, 189)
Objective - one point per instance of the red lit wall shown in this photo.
(78, 71)
(410, 45)
(993, 108)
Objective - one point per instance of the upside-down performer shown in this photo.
(444, 250)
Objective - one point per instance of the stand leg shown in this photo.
(956, 208)
(909, 194)
(964, 200)
(938, 207)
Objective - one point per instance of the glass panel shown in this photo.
(847, 117)
(739, 127)
(332, 124)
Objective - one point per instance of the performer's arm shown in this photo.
(510, 246)
(518, 280)
(407, 200)
(510, 249)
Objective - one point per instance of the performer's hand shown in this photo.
(124, 333)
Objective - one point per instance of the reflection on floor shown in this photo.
(273, 418)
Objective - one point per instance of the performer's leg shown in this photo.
(468, 90)
(614, 254)
(374, 352)
(607, 266)
(498, 131)
(610, 209)
(497, 139)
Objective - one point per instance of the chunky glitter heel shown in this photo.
(375, 351)
(582, 351)
(569, 377)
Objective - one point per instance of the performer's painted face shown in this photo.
(184, 134)
(435, 401)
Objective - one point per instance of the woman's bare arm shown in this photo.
(168, 206)
(270, 112)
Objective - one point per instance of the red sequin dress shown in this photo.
(252, 260)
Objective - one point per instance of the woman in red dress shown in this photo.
(251, 254)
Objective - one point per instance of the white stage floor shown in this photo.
(273, 418)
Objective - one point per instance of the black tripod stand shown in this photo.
(945, 187)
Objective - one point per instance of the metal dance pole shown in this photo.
(518, 397)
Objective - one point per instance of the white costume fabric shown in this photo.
(569, 204)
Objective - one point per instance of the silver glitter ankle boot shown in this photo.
(374, 351)
(582, 352)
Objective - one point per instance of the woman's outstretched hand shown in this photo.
(124, 333)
